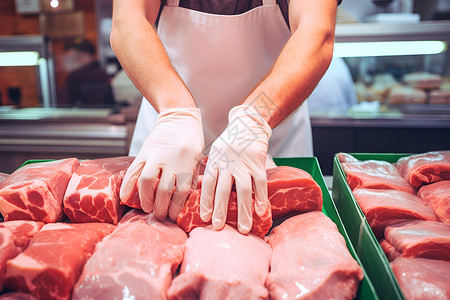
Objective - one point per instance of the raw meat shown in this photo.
(382, 207)
(373, 174)
(3, 176)
(425, 168)
(222, 265)
(346, 158)
(17, 296)
(423, 279)
(53, 261)
(417, 238)
(389, 250)
(14, 238)
(437, 196)
(93, 191)
(137, 259)
(310, 260)
(189, 218)
(290, 191)
(36, 191)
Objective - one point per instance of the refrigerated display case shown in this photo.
(403, 92)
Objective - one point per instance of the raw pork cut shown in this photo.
(93, 191)
(137, 259)
(189, 218)
(423, 279)
(417, 238)
(51, 264)
(36, 191)
(14, 238)
(3, 176)
(222, 265)
(290, 191)
(437, 196)
(382, 207)
(17, 296)
(425, 168)
(310, 260)
(389, 250)
(373, 174)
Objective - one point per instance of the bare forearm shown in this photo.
(296, 72)
(145, 60)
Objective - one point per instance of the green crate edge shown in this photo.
(368, 250)
(366, 289)
(311, 165)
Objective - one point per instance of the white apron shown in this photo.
(221, 58)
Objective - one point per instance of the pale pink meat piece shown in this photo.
(310, 260)
(290, 191)
(437, 196)
(418, 238)
(222, 265)
(3, 176)
(384, 207)
(389, 250)
(137, 259)
(423, 279)
(93, 191)
(53, 261)
(373, 174)
(17, 296)
(36, 191)
(424, 168)
(14, 238)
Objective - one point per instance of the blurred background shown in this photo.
(63, 92)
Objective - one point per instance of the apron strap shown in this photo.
(175, 3)
(269, 2)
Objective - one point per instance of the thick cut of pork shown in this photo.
(53, 261)
(222, 265)
(373, 174)
(14, 238)
(36, 191)
(423, 279)
(418, 238)
(437, 196)
(310, 260)
(425, 168)
(382, 207)
(93, 191)
(389, 250)
(136, 261)
(290, 191)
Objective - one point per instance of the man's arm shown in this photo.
(302, 62)
(142, 55)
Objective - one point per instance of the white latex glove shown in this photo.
(172, 152)
(239, 155)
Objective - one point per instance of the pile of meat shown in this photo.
(67, 234)
(407, 205)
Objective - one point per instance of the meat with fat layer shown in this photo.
(425, 168)
(373, 174)
(53, 261)
(418, 238)
(384, 207)
(310, 260)
(93, 191)
(36, 191)
(437, 196)
(137, 259)
(222, 265)
(14, 238)
(290, 191)
(423, 279)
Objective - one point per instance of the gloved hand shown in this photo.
(238, 154)
(171, 153)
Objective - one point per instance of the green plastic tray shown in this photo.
(361, 236)
(311, 165)
(366, 289)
